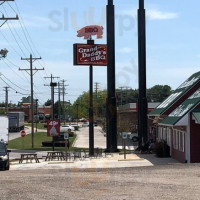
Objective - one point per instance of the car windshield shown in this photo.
(2, 148)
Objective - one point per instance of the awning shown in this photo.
(196, 117)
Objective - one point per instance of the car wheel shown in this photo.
(135, 139)
(7, 167)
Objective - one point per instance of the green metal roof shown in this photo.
(189, 104)
(177, 94)
(196, 117)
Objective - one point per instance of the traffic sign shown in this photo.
(124, 135)
(66, 136)
(23, 133)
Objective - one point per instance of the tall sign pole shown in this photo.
(111, 116)
(142, 100)
(91, 114)
(93, 55)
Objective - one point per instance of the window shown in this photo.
(175, 139)
(179, 140)
(182, 141)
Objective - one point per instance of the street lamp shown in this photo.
(3, 53)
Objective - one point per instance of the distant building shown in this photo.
(128, 116)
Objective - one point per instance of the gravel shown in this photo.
(178, 181)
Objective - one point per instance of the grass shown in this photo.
(39, 125)
(26, 143)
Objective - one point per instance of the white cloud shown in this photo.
(125, 50)
(159, 15)
(152, 14)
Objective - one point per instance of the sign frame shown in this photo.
(124, 135)
(55, 124)
(66, 136)
(89, 47)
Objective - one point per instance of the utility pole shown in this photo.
(5, 19)
(63, 103)
(96, 88)
(6, 98)
(121, 96)
(59, 109)
(36, 108)
(53, 85)
(31, 60)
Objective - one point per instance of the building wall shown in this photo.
(175, 138)
(194, 141)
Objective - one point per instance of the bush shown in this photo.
(162, 149)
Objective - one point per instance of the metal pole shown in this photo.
(111, 100)
(142, 100)
(91, 111)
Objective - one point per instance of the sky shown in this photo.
(48, 29)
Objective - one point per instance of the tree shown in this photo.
(48, 102)
(158, 93)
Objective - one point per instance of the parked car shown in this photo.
(66, 128)
(85, 124)
(133, 137)
(4, 156)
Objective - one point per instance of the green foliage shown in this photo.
(2, 112)
(158, 93)
(48, 103)
(155, 94)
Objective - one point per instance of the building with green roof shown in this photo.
(179, 121)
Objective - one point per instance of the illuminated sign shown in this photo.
(94, 54)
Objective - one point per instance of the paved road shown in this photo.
(153, 183)
(99, 139)
(83, 138)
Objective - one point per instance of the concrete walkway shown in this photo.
(114, 160)
(110, 161)
(82, 140)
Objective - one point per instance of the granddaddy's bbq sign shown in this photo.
(90, 54)
(86, 54)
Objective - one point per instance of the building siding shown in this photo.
(194, 141)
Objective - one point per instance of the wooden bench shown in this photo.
(29, 157)
(55, 155)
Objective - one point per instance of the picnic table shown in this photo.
(55, 155)
(29, 157)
